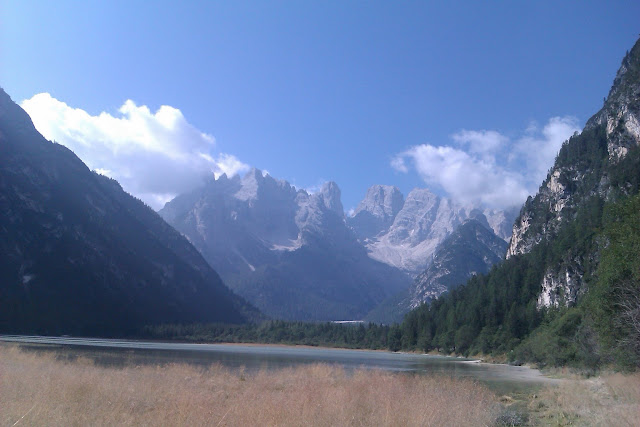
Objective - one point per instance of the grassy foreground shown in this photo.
(607, 400)
(38, 389)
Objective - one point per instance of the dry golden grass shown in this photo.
(37, 389)
(608, 400)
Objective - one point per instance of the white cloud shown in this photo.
(486, 167)
(154, 156)
(398, 164)
(480, 142)
(466, 178)
(540, 148)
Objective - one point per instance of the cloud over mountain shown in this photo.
(153, 155)
(488, 167)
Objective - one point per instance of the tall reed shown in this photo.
(38, 389)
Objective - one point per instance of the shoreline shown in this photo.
(502, 372)
(524, 373)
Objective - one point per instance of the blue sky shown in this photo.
(470, 99)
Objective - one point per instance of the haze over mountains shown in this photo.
(296, 256)
(79, 255)
(78, 247)
(287, 251)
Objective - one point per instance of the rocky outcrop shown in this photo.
(406, 235)
(552, 198)
(377, 211)
(620, 114)
(473, 248)
(561, 287)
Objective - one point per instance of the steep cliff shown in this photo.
(590, 167)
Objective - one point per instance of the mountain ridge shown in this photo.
(472, 248)
(287, 251)
(82, 256)
(405, 233)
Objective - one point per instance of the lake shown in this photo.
(116, 352)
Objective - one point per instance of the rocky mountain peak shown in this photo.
(377, 211)
(251, 183)
(414, 221)
(381, 201)
(258, 185)
(421, 195)
(405, 233)
(621, 110)
(330, 194)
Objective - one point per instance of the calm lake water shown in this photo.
(501, 378)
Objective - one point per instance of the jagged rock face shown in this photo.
(285, 250)
(561, 287)
(330, 195)
(377, 210)
(473, 248)
(238, 223)
(621, 111)
(518, 245)
(554, 196)
(406, 236)
(79, 255)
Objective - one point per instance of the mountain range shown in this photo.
(405, 233)
(295, 255)
(79, 247)
(287, 251)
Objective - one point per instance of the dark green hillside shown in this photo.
(569, 292)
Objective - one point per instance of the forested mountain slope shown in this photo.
(569, 289)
